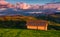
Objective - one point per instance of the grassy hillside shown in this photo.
(28, 33)
(52, 19)
(16, 29)
(10, 28)
(17, 17)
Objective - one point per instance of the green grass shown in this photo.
(11, 31)
(28, 33)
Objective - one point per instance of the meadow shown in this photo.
(28, 33)
(18, 29)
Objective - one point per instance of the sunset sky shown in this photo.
(33, 1)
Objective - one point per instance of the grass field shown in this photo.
(28, 33)
(11, 29)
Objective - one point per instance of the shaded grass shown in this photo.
(52, 27)
(13, 24)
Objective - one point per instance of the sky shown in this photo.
(33, 1)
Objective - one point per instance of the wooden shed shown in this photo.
(37, 24)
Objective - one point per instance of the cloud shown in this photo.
(3, 2)
(23, 5)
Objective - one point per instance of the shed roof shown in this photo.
(37, 22)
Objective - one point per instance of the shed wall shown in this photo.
(32, 27)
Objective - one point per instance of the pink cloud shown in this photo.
(3, 2)
(23, 5)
